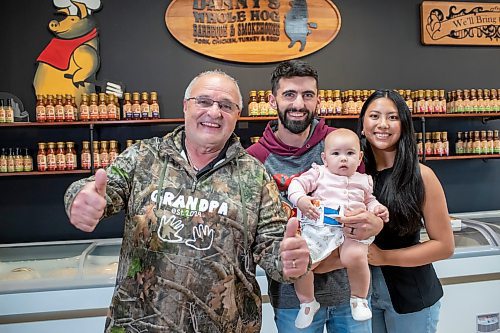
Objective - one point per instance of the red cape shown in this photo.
(58, 52)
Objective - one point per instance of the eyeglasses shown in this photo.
(225, 106)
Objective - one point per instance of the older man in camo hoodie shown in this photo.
(200, 215)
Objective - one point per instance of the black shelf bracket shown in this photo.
(484, 120)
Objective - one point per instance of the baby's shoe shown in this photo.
(306, 314)
(359, 309)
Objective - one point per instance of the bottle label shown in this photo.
(94, 112)
(97, 160)
(104, 159)
(103, 112)
(51, 162)
(111, 112)
(69, 115)
(61, 162)
(86, 160)
(144, 110)
(41, 162)
(253, 109)
(70, 161)
(84, 112)
(27, 163)
(127, 111)
(112, 156)
(3, 165)
(41, 116)
(18, 164)
(136, 111)
(59, 113)
(155, 111)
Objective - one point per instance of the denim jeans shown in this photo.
(338, 319)
(387, 320)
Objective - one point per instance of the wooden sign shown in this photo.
(253, 31)
(460, 23)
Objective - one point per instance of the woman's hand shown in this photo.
(360, 224)
(375, 255)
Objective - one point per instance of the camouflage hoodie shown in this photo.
(188, 256)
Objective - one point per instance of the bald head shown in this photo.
(342, 134)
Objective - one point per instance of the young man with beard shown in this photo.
(287, 148)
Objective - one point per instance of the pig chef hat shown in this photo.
(92, 5)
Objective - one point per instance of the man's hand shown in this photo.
(360, 224)
(88, 206)
(294, 251)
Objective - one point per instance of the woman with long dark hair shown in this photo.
(406, 290)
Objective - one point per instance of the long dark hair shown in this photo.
(403, 193)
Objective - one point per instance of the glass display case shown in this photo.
(58, 265)
(471, 277)
(62, 286)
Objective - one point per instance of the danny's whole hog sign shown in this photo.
(253, 31)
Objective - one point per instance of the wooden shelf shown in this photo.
(460, 157)
(455, 115)
(267, 118)
(43, 173)
(88, 123)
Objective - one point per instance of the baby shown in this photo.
(336, 184)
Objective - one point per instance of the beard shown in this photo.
(295, 126)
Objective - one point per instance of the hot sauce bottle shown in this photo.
(113, 151)
(9, 112)
(51, 157)
(61, 156)
(154, 107)
(271, 111)
(442, 101)
(41, 115)
(27, 161)
(69, 114)
(11, 161)
(102, 108)
(70, 156)
(84, 108)
(93, 107)
(2, 112)
(59, 108)
(85, 155)
(263, 111)
(18, 161)
(136, 106)
(3, 161)
(253, 105)
(96, 155)
(322, 103)
(127, 107)
(111, 108)
(337, 102)
(145, 112)
(496, 142)
(41, 157)
(104, 154)
(50, 109)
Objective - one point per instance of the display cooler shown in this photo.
(67, 286)
(471, 277)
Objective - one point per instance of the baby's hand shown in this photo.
(382, 212)
(309, 207)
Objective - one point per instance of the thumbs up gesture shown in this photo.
(88, 206)
(294, 251)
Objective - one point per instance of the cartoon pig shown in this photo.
(69, 63)
(296, 25)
